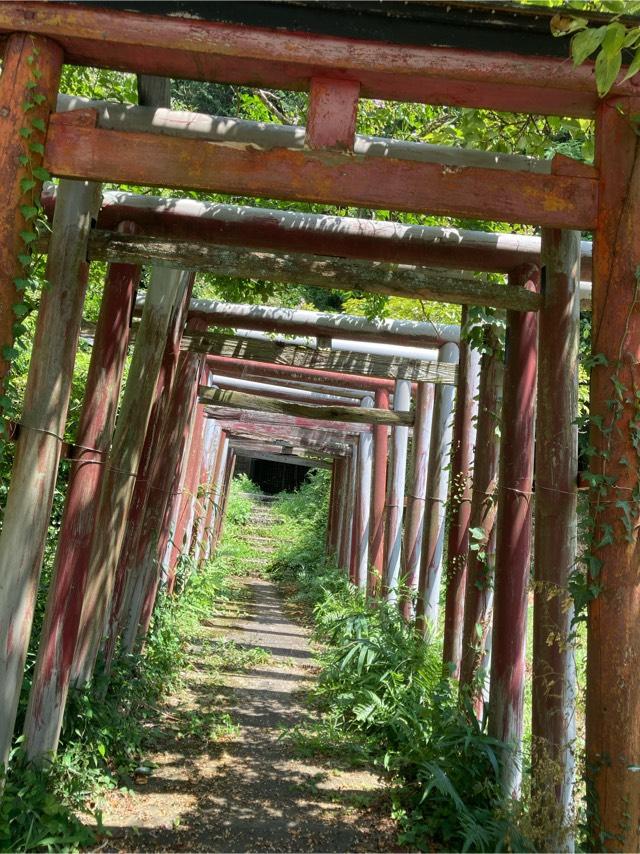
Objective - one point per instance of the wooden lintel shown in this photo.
(288, 459)
(324, 177)
(249, 416)
(239, 400)
(315, 270)
(203, 50)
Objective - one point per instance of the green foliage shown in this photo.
(106, 735)
(384, 700)
(608, 42)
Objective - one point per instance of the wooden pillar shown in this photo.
(479, 590)
(365, 463)
(428, 600)
(219, 488)
(416, 493)
(210, 505)
(395, 501)
(182, 532)
(613, 555)
(44, 414)
(346, 516)
(513, 543)
(164, 294)
(352, 504)
(147, 488)
(66, 590)
(459, 508)
(331, 511)
(341, 474)
(556, 480)
(30, 74)
(378, 496)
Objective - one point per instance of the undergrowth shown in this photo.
(384, 700)
(104, 739)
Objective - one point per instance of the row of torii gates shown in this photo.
(133, 480)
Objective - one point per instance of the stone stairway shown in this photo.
(261, 530)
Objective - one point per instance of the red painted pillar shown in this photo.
(513, 543)
(479, 590)
(182, 534)
(613, 555)
(416, 494)
(25, 56)
(378, 496)
(66, 591)
(459, 510)
(330, 532)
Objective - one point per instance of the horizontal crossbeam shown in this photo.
(316, 271)
(201, 50)
(345, 414)
(76, 149)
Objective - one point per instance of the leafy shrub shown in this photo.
(383, 686)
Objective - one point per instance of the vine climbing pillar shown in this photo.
(416, 495)
(44, 414)
(556, 479)
(93, 439)
(437, 483)
(513, 537)
(479, 589)
(462, 445)
(378, 496)
(613, 556)
(395, 496)
(31, 68)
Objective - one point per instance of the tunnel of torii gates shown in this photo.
(153, 484)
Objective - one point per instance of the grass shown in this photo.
(104, 741)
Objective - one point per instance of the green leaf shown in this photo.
(584, 43)
(20, 309)
(41, 173)
(607, 69)
(634, 66)
(36, 147)
(28, 236)
(27, 184)
(39, 124)
(9, 353)
(25, 132)
(28, 211)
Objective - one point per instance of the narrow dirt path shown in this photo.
(248, 791)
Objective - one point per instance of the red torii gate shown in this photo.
(604, 198)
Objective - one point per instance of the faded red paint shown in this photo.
(333, 110)
(462, 447)
(556, 201)
(17, 72)
(378, 495)
(416, 494)
(65, 598)
(513, 539)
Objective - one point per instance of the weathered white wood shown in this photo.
(249, 416)
(347, 414)
(288, 439)
(35, 467)
(297, 321)
(165, 291)
(395, 502)
(266, 136)
(360, 364)
(437, 488)
(264, 228)
(365, 471)
(272, 390)
(404, 280)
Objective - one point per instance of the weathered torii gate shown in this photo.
(568, 197)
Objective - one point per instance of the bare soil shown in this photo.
(248, 790)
